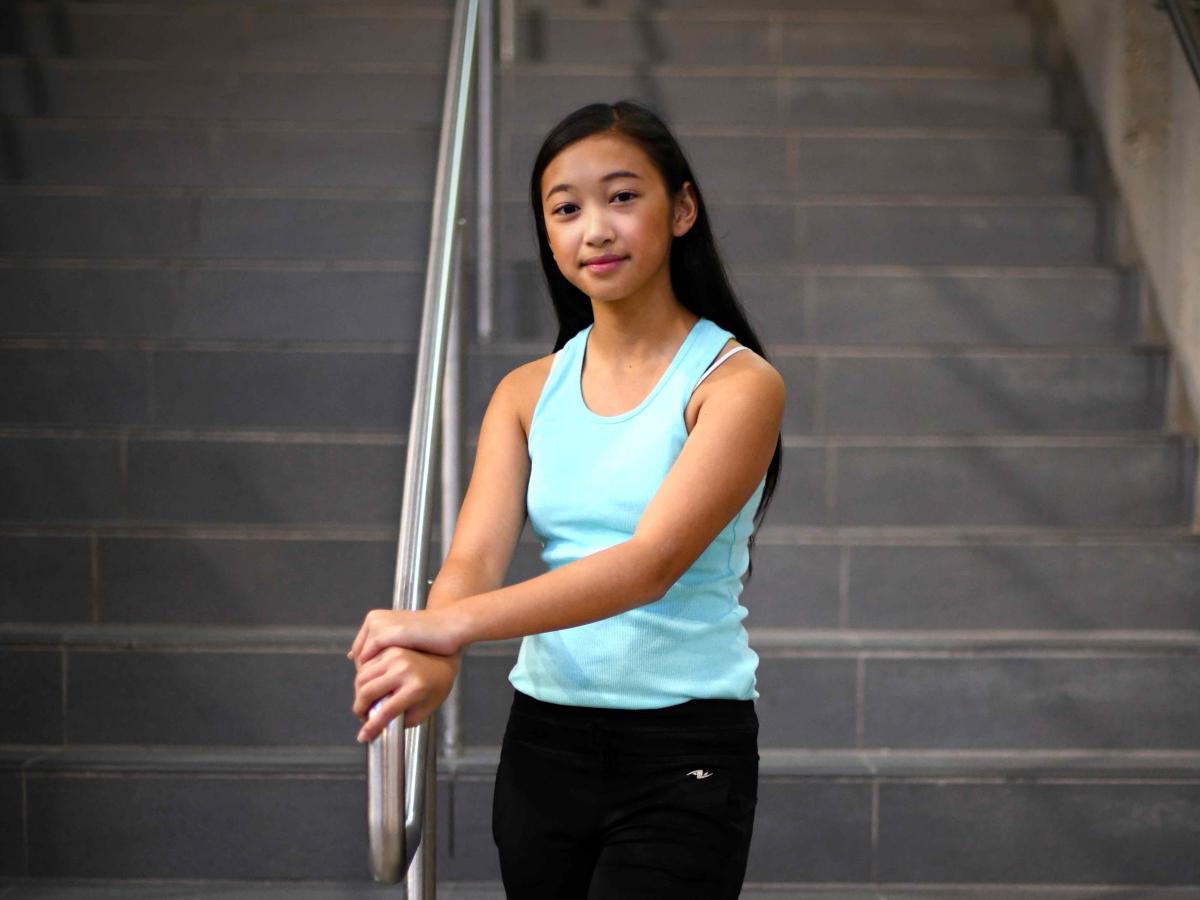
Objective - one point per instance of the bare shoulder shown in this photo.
(523, 385)
(742, 374)
(744, 384)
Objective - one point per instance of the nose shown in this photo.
(597, 230)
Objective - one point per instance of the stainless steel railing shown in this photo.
(402, 763)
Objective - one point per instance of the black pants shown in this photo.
(601, 804)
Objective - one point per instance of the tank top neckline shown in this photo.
(666, 376)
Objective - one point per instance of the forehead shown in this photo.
(586, 161)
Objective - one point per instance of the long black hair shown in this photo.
(698, 276)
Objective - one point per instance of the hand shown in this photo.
(432, 630)
(417, 682)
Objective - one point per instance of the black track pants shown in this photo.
(622, 804)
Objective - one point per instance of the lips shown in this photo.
(603, 263)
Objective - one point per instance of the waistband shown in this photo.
(696, 709)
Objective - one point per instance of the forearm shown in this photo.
(595, 587)
(455, 581)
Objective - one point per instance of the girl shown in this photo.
(645, 451)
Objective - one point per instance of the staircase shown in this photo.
(976, 598)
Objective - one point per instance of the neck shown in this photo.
(627, 335)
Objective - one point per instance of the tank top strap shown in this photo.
(558, 381)
(711, 338)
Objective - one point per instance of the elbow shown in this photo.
(654, 569)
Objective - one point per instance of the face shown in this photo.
(628, 216)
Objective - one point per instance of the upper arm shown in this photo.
(717, 471)
(492, 514)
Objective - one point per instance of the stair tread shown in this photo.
(156, 889)
(253, 434)
(779, 535)
(716, 15)
(250, 263)
(351, 761)
(980, 71)
(777, 195)
(882, 131)
(522, 347)
(309, 638)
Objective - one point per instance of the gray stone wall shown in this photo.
(1147, 103)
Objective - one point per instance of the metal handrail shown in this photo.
(1185, 17)
(402, 764)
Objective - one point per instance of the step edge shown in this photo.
(335, 639)
(482, 759)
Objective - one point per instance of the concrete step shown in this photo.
(536, 95)
(166, 152)
(135, 476)
(124, 685)
(533, 96)
(927, 691)
(878, 229)
(975, 7)
(398, 94)
(376, 225)
(806, 160)
(346, 300)
(415, 31)
(1028, 579)
(350, 385)
(740, 34)
(889, 160)
(370, 33)
(887, 822)
(84, 889)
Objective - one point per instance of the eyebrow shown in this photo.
(609, 177)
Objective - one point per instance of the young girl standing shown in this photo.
(644, 451)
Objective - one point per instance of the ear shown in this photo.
(686, 210)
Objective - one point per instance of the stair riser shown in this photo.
(373, 390)
(333, 582)
(981, 586)
(278, 34)
(396, 230)
(805, 306)
(398, 99)
(537, 99)
(806, 831)
(910, 699)
(267, 34)
(561, 40)
(990, 7)
(173, 155)
(141, 480)
(933, 307)
(727, 167)
(530, 98)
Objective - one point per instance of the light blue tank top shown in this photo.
(590, 479)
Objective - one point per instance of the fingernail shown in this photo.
(362, 738)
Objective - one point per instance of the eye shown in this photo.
(563, 208)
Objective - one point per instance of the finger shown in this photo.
(359, 638)
(373, 669)
(397, 703)
(370, 691)
(381, 639)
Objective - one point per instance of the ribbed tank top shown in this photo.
(590, 479)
